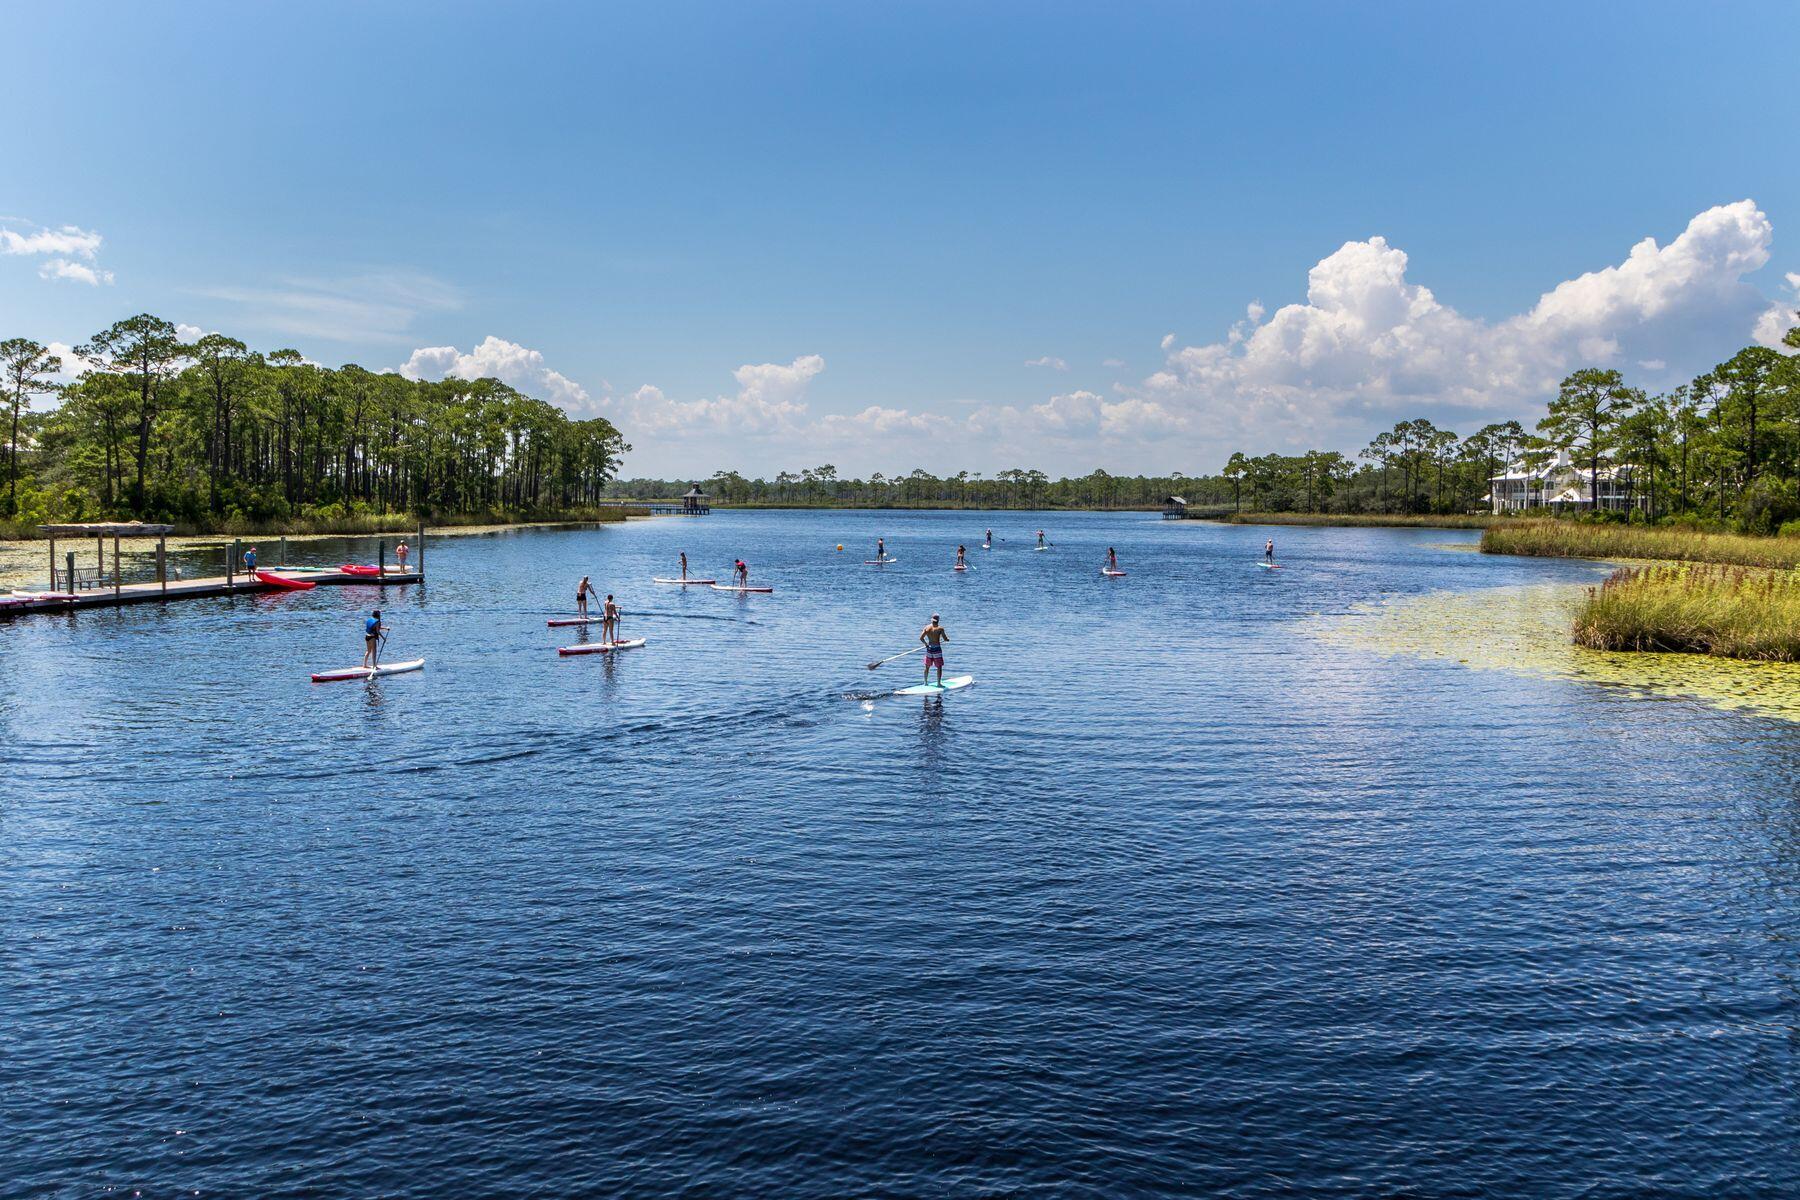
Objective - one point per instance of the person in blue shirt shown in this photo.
(373, 632)
(250, 560)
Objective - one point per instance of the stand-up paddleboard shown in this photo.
(684, 582)
(950, 684)
(602, 647)
(1269, 566)
(1109, 572)
(1040, 547)
(878, 562)
(732, 587)
(282, 581)
(987, 545)
(560, 622)
(962, 567)
(399, 668)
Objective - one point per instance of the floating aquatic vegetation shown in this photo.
(1525, 630)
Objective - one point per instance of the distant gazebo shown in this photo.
(696, 503)
(1174, 508)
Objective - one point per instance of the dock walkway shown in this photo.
(191, 589)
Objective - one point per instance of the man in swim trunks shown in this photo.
(609, 621)
(880, 549)
(373, 632)
(583, 590)
(962, 556)
(934, 637)
(401, 551)
(988, 540)
(1269, 550)
(1040, 537)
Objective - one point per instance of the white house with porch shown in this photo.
(1563, 485)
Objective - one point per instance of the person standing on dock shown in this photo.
(583, 590)
(373, 634)
(934, 637)
(609, 620)
(400, 553)
(250, 561)
(684, 564)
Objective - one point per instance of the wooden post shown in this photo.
(69, 582)
(53, 586)
(284, 552)
(420, 550)
(162, 562)
(381, 556)
(115, 566)
(100, 559)
(231, 560)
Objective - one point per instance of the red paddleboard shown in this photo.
(283, 582)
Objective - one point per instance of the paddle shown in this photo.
(890, 658)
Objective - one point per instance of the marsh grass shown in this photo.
(1581, 539)
(1695, 608)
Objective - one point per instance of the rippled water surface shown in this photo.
(1180, 898)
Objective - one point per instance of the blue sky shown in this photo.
(768, 236)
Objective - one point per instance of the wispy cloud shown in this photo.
(1048, 360)
(369, 306)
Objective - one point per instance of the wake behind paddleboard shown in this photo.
(951, 683)
(602, 647)
(732, 587)
(347, 673)
(683, 582)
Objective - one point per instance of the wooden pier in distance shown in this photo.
(72, 593)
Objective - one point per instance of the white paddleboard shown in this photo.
(1108, 571)
(1040, 547)
(602, 647)
(962, 568)
(732, 587)
(683, 582)
(1269, 566)
(398, 668)
(951, 683)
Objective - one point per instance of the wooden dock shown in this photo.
(193, 589)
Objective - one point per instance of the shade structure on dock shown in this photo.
(100, 531)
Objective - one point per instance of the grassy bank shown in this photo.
(1579, 539)
(1397, 520)
(1735, 612)
(360, 524)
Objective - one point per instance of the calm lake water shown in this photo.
(1178, 899)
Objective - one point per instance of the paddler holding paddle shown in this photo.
(742, 569)
(373, 633)
(1269, 551)
(609, 621)
(583, 590)
(684, 564)
(962, 557)
(934, 637)
(880, 549)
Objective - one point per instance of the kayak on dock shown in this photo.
(602, 647)
(359, 569)
(349, 673)
(282, 581)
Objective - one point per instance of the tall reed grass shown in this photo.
(1580, 539)
(1734, 612)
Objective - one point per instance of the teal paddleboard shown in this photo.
(950, 684)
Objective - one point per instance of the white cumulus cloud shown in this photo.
(770, 399)
(69, 252)
(497, 358)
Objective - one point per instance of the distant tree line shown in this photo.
(209, 430)
(1017, 488)
(1724, 447)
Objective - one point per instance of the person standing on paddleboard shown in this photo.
(1112, 559)
(609, 620)
(373, 632)
(1269, 551)
(934, 637)
(684, 564)
(880, 549)
(988, 540)
(583, 590)
(962, 556)
(1040, 539)
(743, 573)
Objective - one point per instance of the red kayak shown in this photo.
(282, 581)
(359, 569)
